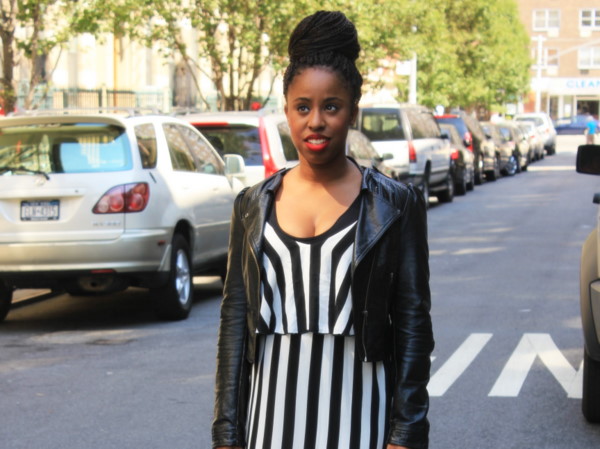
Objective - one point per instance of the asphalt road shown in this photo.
(102, 373)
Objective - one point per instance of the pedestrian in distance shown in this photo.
(325, 333)
(591, 127)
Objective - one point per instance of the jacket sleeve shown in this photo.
(412, 329)
(232, 369)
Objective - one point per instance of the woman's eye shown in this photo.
(331, 107)
(302, 108)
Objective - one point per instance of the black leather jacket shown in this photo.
(390, 293)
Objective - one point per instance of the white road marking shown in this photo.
(457, 364)
(519, 364)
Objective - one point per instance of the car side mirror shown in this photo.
(588, 159)
(235, 165)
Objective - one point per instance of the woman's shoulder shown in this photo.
(255, 191)
(392, 191)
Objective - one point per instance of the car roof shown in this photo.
(21, 120)
(228, 117)
(110, 119)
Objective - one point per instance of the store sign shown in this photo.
(568, 86)
(580, 83)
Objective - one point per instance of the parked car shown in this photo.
(474, 138)
(507, 162)
(544, 124)
(408, 137)
(535, 140)
(262, 138)
(576, 124)
(463, 167)
(588, 162)
(513, 134)
(360, 148)
(96, 203)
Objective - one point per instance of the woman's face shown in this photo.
(319, 110)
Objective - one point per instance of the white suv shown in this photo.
(95, 203)
(409, 139)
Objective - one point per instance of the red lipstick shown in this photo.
(316, 142)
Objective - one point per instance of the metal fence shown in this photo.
(90, 99)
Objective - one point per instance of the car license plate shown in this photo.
(40, 210)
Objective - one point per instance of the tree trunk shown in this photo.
(8, 95)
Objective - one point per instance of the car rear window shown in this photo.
(235, 139)
(64, 148)
(457, 122)
(382, 124)
(537, 120)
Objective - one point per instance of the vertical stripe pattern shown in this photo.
(308, 390)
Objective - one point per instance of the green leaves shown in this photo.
(470, 53)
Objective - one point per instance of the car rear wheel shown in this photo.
(492, 175)
(174, 301)
(460, 188)
(447, 195)
(6, 294)
(511, 166)
(471, 181)
(478, 170)
(590, 404)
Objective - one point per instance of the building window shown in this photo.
(546, 19)
(589, 58)
(590, 18)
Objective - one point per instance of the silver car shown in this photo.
(410, 140)
(588, 162)
(545, 127)
(95, 203)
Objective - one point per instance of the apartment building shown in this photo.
(565, 48)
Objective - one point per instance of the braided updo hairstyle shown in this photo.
(325, 39)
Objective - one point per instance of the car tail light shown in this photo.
(454, 155)
(123, 199)
(412, 153)
(268, 162)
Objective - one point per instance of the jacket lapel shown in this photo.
(375, 217)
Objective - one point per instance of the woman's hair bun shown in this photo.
(324, 32)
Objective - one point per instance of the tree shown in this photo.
(480, 58)
(30, 30)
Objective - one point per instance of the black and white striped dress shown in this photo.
(308, 390)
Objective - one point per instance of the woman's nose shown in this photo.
(316, 120)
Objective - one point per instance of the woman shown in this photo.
(325, 332)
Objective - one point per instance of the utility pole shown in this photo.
(412, 85)
(538, 84)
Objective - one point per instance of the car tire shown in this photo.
(174, 300)
(590, 404)
(471, 181)
(493, 175)
(6, 294)
(511, 166)
(447, 195)
(460, 188)
(478, 171)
